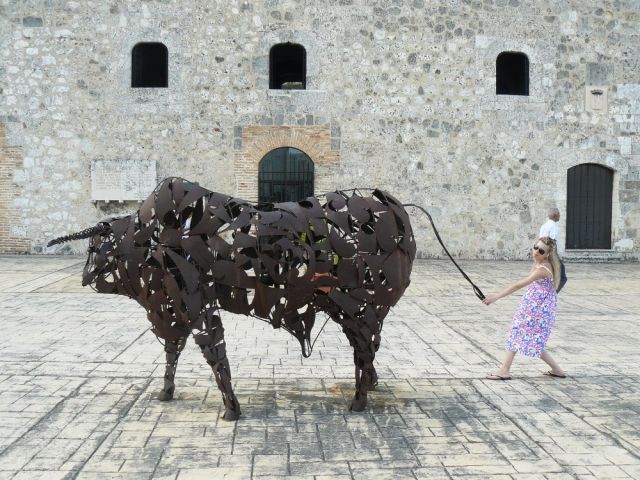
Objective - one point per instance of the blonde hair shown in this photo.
(554, 260)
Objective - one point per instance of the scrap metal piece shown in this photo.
(189, 252)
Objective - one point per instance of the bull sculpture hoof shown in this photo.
(358, 404)
(231, 415)
(166, 395)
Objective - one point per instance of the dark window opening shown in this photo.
(287, 67)
(149, 66)
(285, 175)
(589, 202)
(512, 74)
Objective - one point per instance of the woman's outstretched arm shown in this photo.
(537, 274)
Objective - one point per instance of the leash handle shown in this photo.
(476, 289)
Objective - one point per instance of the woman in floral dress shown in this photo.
(536, 314)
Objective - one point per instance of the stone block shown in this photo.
(31, 22)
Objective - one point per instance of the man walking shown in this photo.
(550, 229)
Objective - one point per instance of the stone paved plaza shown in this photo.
(79, 373)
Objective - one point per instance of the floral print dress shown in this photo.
(534, 318)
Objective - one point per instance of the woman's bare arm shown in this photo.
(537, 274)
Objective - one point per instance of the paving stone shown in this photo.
(382, 473)
(269, 465)
(632, 470)
(608, 471)
(80, 402)
(226, 473)
(41, 475)
(435, 473)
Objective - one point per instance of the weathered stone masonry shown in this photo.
(400, 95)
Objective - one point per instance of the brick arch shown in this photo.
(265, 145)
(257, 141)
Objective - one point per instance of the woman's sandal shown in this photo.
(493, 376)
(551, 374)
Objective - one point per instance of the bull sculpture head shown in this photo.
(100, 260)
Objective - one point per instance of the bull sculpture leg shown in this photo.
(370, 374)
(210, 339)
(365, 340)
(172, 350)
(363, 355)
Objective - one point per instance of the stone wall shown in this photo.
(404, 92)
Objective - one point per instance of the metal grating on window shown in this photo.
(285, 175)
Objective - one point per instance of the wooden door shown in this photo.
(589, 192)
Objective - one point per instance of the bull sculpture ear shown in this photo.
(86, 233)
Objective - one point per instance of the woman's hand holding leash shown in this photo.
(490, 299)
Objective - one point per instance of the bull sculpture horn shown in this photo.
(86, 233)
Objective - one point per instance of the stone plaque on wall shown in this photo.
(596, 99)
(122, 179)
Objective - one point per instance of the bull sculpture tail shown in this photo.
(476, 289)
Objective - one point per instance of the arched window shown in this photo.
(512, 74)
(149, 65)
(285, 175)
(287, 67)
(589, 192)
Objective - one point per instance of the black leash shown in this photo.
(476, 290)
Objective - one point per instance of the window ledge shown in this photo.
(597, 256)
(509, 102)
(289, 93)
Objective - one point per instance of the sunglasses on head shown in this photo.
(541, 251)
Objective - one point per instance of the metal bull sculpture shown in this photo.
(189, 253)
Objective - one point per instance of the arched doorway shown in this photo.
(285, 175)
(589, 197)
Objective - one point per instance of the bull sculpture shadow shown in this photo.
(189, 253)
